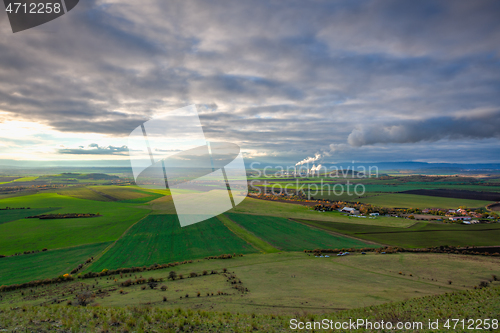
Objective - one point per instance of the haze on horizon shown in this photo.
(286, 80)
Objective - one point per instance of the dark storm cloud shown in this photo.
(483, 126)
(290, 78)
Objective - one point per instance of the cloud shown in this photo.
(482, 126)
(281, 79)
(95, 149)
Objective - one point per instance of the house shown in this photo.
(462, 211)
(350, 210)
(425, 211)
(374, 214)
(460, 218)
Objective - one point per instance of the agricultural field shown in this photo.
(127, 194)
(288, 235)
(48, 264)
(34, 234)
(16, 214)
(420, 235)
(159, 239)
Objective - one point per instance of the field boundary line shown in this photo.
(246, 235)
(99, 256)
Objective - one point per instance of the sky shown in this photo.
(369, 81)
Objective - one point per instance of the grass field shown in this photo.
(16, 214)
(422, 234)
(82, 193)
(288, 235)
(42, 265)
(420, 201)
(290, 283)
(482, 303)
(127, 194)
(160, 239)
(33, 234)
(247, 236)
(23, 179)
(253, 206)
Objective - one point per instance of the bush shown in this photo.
(193, 274)
(205, 272)
(164, 287)
(172, 275)
(164, 298)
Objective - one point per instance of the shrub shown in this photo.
(126, 283)
(483, 284)
(199, 294)
(85, 298)
(449, 281)
(143, 288)
(193, 274)
(164, 298)
(224, 270)
(164, 287)
(172, 275)
(181, 276)
(205, 272)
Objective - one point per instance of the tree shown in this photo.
(172, 275)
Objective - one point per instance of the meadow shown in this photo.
(420, 235)
(34, 234)
(483, 303)
(288, 235)
(48, 264)
(159, 239)
(281, 283)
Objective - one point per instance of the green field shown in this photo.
(42, 265)
(82, 193)
(288, 235)
(160, 239)
(400, 200)
(16, 214)
(34, 234)
(247, 236)
(420, 235)
(127, 194)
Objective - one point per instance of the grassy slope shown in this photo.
(82, 193)
(420, 201)
(270, 208)
(422, 234)
(160, 239)
(42, 265)
(128, 194)
(247, 236)
(16, 214)
(34, 234)
(292, 236)
(290, 283)
(483, 303)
